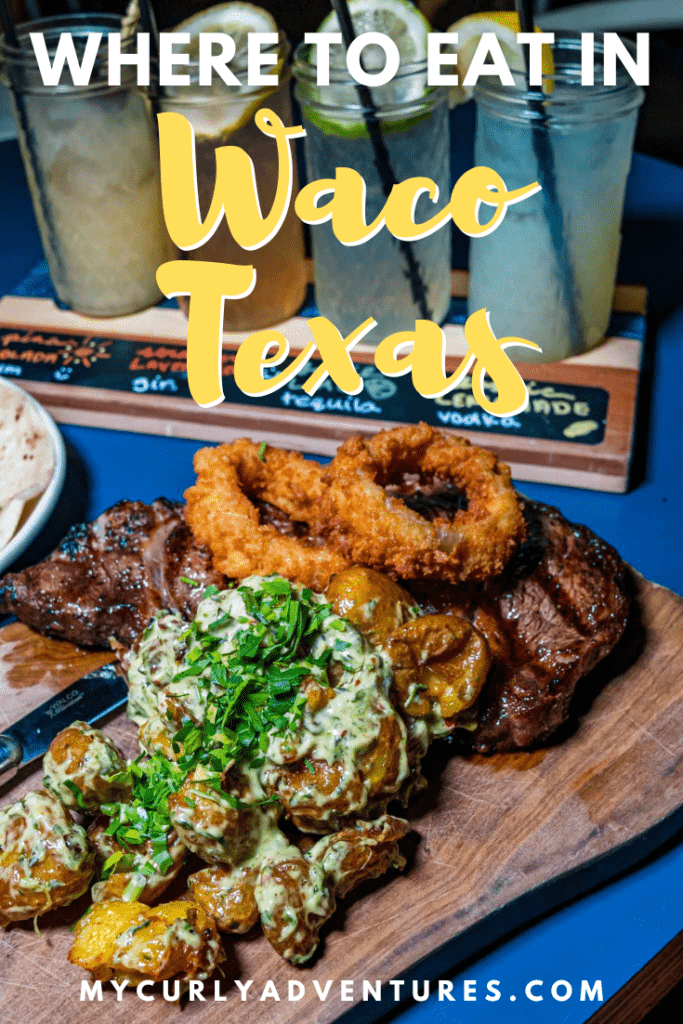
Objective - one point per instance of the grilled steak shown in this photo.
(107, 578)
(557, 610)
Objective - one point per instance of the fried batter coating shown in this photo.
(371, 526)
(128, 941)
(127, 871)
(226, 511)
(209, 825)
(227, 894)
(363, 851)
(294, 902)
(372, 601)
(440, 666)
(84, 759)
(45, 859)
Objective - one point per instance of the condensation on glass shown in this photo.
(353, 283)
(514, 271)
(92, 163)
(223, 115)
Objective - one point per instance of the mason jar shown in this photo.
(548, 275)
(223, 115)
(394, 282)
(92, 163)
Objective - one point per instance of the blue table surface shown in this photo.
(613, 931)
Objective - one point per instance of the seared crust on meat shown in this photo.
(107, 578)
(559, 608)
(562, 605)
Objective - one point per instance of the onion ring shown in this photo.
(253, 507)
(372, 527)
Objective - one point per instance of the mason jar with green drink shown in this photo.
(394, 282)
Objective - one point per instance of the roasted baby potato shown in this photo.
(365, 850)
(440, 666)
(128, 941)
(45, 858)
(227, 894)
(320, 797)
(154, 739)
(209, 825)
(372, 601)
(152, 666)
(294, 902)
(148, 887)
(317, 796)
(79, 765)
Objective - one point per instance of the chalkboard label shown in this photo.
(561, 412)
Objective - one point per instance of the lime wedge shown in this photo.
(398, 19)
(402, 22)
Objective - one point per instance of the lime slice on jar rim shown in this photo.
(217, 111)
(409, 29)
(398, 19)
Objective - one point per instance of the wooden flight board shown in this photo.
(130, 374)
(496, 842)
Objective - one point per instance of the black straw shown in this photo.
(8, 28)
(149, 23)
(382, 163)
(543, 149)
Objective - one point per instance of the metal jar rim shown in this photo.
(308, 92)
(562, 106)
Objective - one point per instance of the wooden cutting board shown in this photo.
(497, 841)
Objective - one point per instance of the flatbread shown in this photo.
(27, 458)
(9, 520)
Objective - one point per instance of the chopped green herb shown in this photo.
(309, 765)
(277, 586)
(70, 784)
(252, 693)
(189, 582)
(262, 451)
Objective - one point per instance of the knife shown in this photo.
(87, 700)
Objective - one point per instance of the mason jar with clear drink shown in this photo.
(374, 278)
(92, 163)
(223, 115)
(561, 303)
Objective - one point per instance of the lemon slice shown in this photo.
(234, 19)
(402, 22)
(218, 111)
(505, 26)
(398, 19)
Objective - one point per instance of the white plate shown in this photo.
(48, 499)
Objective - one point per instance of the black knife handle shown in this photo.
(11, 753)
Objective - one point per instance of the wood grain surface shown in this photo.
(496, 840)
(613, 366)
